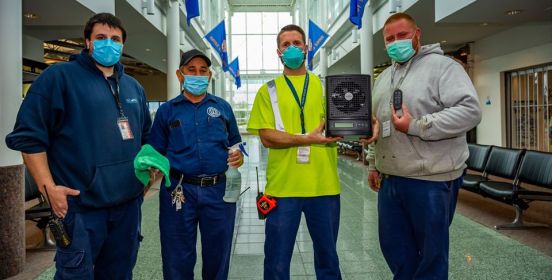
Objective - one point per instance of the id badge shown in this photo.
(124, 128)
(386, 129)
(303, 154)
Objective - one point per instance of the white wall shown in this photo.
(515, 48)
(104, 6)
(444, 8)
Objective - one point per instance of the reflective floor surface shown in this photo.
(476, 251)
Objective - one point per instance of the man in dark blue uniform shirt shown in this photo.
(194, 131)
(79, 129)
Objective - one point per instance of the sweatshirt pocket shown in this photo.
(439, 156)
(113, 183)
(398, 156)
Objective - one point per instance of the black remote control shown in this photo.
(58, 231)
(397, 99)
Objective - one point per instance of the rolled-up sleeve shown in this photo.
(38, 115)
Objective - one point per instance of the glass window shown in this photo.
(270, 24)
(530, 109)
(270, 57)
(254, 54)
(238, 23)
(239, 49)
(254, 42)
(284, 19)
(254, 23)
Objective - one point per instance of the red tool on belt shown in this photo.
(265, 203)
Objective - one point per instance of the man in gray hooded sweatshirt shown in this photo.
(417, 162)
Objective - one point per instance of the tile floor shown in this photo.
(477, 252)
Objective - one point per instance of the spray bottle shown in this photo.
(233, 177)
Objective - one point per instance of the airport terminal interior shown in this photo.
(505, 46)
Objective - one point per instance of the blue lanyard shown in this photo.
(303, 98)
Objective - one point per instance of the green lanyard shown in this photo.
(303, 98)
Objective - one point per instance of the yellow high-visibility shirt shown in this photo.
(286, 177)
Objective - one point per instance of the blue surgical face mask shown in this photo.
(400, 50)
(293, 57)
(106, 52)
(195, 85)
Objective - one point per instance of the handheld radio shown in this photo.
(55, 225)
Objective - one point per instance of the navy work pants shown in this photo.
(282, 223)
(104, 243)
(414, 220)
(203, 206)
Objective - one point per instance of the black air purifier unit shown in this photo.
(348, 105)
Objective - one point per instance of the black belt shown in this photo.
(203, 181)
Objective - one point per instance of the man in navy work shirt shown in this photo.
(194, 131)
(79, 129)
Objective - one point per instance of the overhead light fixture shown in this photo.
(444, 41)
(30, 16)
(484, 24)
(513, 12)
(354, 35)
(396, 6)
(148, 6)
(182, 37)
(148, 49)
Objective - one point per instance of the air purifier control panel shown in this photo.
(349, 127)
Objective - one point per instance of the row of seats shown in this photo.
(350, 147)
(517, 168)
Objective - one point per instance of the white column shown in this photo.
(222, 85)
(304, 13)
(173, 48)
(220, 10)
(323, 66)
(11, 76)
(231, 54)
(12, 220)
(207, 53)
(367, 43)
(205, 15)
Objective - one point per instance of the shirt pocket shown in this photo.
(217, 128)
(181, 135)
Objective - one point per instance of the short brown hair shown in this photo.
(399, 16)
(291, 27)
(103, 18)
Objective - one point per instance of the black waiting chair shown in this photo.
(502, 162)
(535, 169)
(477, 160)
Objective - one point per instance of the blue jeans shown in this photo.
(104, 242)
(282, 223)
(203, 206)
(414, 220)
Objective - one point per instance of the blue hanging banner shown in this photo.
(192, 10)
(356, 10)
(317, 37)
(217, 39)
(234, 69)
